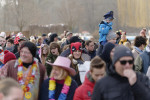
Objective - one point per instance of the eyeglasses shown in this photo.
(123, 62)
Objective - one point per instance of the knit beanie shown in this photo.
(121, 51)
(111, 35)
(8, 56)
(31, 46)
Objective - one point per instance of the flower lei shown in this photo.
(29, 81)
(64, 91)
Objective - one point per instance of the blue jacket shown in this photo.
(104, 29)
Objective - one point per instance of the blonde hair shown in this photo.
(6, 84)
(63, 73)
(127, 44)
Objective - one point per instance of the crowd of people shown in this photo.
(48, 67)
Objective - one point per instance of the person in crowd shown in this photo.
(75, 57)
(111, 38)
(139, 45)
(44, 53)
(123, 83)
(2, 41)
(21, 40)
(105, 27)
(53, 54)
(39, 41)
(97, 71)
(68, 36)
(142, 61)
(27, 71)
(127, 44)
(118, 33)
(75, 39)
(60, 85)
(143, 32)
(65, 32)
(8, 56)
(1, 56)
(124, 39)
(44, 38)
(89, 48)
(10, 90)
(53, 38)
(16, 42)
(10, 45)
(33, 40)
(107, 55)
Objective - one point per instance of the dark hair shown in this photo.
(54, 45)
(97, 62)
(31, 46)
(11, 41)
(88, 42)
(51, 37)
(139, 40)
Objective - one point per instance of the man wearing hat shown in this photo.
(122, 83)
(21, 41)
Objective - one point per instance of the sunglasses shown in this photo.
(123, 62)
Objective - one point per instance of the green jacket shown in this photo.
(50, 58)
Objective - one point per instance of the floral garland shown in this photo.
(29, 81)
(64, 91)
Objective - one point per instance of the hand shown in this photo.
(131, 75)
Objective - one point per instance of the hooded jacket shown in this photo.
(104, 29)
(116, 87)
(84, 92)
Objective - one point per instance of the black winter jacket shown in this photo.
(115, 87)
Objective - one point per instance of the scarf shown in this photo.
(64, 91)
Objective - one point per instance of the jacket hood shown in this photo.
(88, 80)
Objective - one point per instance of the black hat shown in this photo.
(44, 34)
(75, 39)
(31, 46)
(121, 51)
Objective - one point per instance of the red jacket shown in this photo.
(85, 91)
